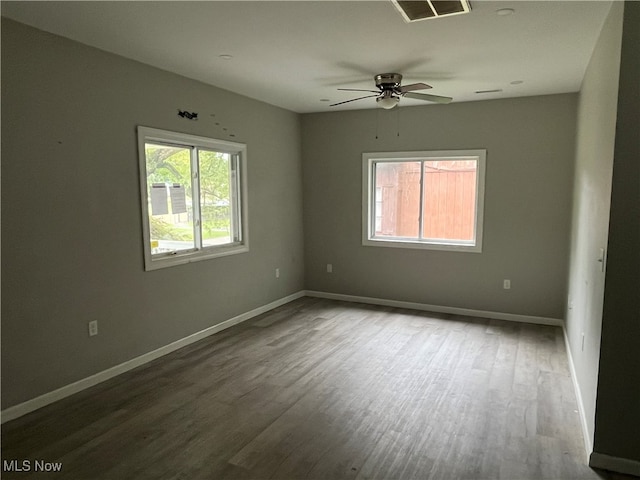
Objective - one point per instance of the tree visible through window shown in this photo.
(424, 199)
(192, 196)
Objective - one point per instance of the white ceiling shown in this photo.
(294, 53)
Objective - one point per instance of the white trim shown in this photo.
(614, 464)
(29, 406)
(431, 245)
(513, 317)
(192, 256)
(588, 442)
(195, 254)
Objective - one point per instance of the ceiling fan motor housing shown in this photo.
(388, 81)
(390, 91)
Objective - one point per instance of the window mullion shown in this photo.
(421, 209)
(372, 201)
(195, 199)
(234, 189)
(237, 200)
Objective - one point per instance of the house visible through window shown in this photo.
(192, 197)
(424, 199)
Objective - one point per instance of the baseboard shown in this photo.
(614, 464)
(438, 308)
(588, 445)
(29, 406)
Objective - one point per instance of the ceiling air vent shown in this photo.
(415, 10)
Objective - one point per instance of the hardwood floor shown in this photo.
(325, 390)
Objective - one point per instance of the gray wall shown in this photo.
(591, 201)
(618, 405)
(71, 237)
(71, 233)
(530, 155)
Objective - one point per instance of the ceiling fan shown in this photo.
(390, 91)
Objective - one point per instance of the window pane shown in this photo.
(215, 197)
(169, 198)
(397, 206)
(449, 199)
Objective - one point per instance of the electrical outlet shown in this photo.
(506, 284)
(93, 328)
(277, 273)
(329, 268)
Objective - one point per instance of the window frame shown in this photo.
(239, 194)
(369, 161)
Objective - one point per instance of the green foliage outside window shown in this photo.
(169, 164)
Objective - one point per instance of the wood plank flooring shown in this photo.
(325, 390)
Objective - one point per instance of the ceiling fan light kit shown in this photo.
(390, 91)
(387, 102)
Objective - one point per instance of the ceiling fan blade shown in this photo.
(428, 98)
(353, 100)
(358, 90)
(414, 86)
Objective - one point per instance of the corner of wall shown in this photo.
(595, 139)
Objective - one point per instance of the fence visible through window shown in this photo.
(424, 199)
(448, 199)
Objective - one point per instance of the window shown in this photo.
(430, 200)
(193, 196)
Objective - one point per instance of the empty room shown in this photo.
(320, 239)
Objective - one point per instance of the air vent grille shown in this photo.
(415, 10)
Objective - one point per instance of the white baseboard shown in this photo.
(588, 445)
(595, 459)
(614, 464)
(556, 322)
(29, 406)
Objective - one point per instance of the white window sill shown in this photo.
(422, 245)
(164, 261)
